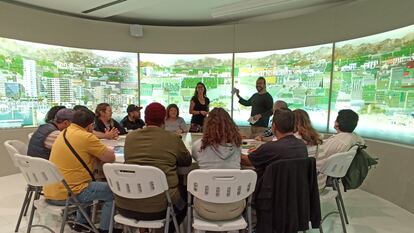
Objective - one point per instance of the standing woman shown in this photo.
(105, 126)
(199, 106)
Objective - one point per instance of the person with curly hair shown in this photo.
(219, 148)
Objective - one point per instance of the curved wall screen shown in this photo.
(34, 77)
(373, 75)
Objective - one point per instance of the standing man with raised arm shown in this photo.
(262, 103)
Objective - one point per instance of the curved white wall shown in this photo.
(360, 18)
(393, 179)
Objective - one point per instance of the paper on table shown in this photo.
(251, 120)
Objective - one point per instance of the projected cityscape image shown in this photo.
(168, 79)
(374, 76)
(34, 77)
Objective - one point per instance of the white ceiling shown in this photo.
(181, 12)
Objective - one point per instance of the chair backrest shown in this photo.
(135, 181)
(338, 164)
(221, 185)
(38, 171)
(15, 147)
(29, 136)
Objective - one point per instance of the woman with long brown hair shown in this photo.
(304, 130)
(219, 148)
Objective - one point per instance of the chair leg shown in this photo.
(342, 202)
(65, 216)
(167, 220)
(177, 228)
(338, 204)
(29, 187)
(111, 221)
(29, 225)
(249, 216)
(23, 210)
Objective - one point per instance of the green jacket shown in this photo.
(154, 146)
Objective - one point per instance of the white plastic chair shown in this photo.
(18, 147)
(138, 182)
(336, 167)
(15, 147)
(39, 172)
(220, 186)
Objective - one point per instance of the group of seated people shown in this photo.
(154, 142)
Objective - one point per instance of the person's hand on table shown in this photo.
(250, 150)
(259, 138)
(112, 133)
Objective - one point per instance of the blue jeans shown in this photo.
(95, 191)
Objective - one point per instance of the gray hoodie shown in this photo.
(226, 156)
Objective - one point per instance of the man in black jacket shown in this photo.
(287, 145)
(133, 120)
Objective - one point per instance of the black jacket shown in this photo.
(100, 126)
(287, 197)
(37, 141)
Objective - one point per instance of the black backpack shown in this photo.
(358, 169)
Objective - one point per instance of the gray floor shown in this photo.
(367, 213)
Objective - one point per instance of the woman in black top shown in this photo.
(105, 126)
(199, 107)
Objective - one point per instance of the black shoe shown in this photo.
(79, 228)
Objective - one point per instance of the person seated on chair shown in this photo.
(173, 122)
(41, 142)
(50, 115)
(105, 126)
(305, 131)
(164, 150)
(345, 124)
(287, 146)
(89, 149)
(268, 134)
(220, 148)
(133, 120)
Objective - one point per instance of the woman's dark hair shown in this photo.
(79, 107)
(83, 117)
(170, 107)
(284, 120)
(205, 89)
(50, 115)
(101, 108)
(347, 120)
(219, 128)
(303, 127)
